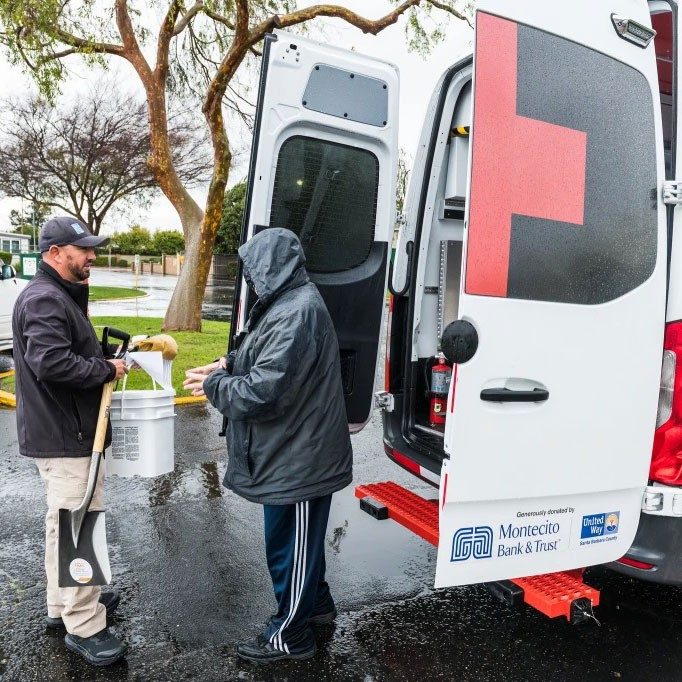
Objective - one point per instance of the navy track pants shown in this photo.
(294, 546)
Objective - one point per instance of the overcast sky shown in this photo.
(417, 79)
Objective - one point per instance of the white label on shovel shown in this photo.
(81, 571)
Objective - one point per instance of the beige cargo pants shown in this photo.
(65, 482)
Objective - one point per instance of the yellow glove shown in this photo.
(166, 344)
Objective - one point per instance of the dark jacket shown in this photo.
(287, 436)
(60, 368)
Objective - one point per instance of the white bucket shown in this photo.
(143, 434)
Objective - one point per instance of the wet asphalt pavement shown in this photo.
(188, 558)
(159, 289)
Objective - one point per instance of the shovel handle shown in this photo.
(103, 418)
(78, 514)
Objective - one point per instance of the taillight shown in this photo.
(634, 563)
(404, 461)
(666, 460)
(387, 360)
(665, 395)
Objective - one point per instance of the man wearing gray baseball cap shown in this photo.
(60, 370)
(67, 230)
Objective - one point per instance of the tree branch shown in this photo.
(24, 56)
(166, 33)
(232, 60)
(182, 24)
(334, 11)
(87, 46)
(131, 48)
(450, 10)
(59, 55)
(242, 27)
(219, 18)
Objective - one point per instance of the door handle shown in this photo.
(507, 395)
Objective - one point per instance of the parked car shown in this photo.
(10, 286)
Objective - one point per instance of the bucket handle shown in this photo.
(123, 394)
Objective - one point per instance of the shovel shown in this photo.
(83, 554)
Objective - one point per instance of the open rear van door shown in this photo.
(323, 164)
(551, 420)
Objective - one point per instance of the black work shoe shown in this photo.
(103, 648)
(109, 599)
(323, 618)
(259, 650)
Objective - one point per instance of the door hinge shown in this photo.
(672, 192)
(384, 401)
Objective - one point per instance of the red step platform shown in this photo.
(554, 594)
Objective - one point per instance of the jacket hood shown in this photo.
(274, 262)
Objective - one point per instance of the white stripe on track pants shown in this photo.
(294, 546)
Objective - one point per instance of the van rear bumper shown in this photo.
(658, 543)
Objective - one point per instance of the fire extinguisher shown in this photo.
(441, 375)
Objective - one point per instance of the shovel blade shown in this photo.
(87, 563)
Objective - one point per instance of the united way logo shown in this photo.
(600, 525)
(476, 542)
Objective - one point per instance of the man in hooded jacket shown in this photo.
(287, 437)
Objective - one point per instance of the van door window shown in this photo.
(327, 194)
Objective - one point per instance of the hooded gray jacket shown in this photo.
(287, 436)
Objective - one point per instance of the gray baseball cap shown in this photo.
(68, 230)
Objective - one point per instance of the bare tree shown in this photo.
(85, 156)
(199, 47)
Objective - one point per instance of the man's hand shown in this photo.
(121, 369)
(205, 369)
(195, 381)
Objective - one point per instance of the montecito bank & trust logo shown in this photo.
(476, 542)
(512, 539)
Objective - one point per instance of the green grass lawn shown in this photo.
(194, 348)
(108, 293)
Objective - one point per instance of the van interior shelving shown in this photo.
(442, 233)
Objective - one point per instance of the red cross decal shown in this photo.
(519, 165)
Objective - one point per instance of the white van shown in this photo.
(539, 220)
(10, 286)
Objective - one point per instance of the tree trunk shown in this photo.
(184, 310)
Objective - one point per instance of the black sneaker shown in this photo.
(259, 650)
(323, 618)
(109, 599)
(103, 648)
